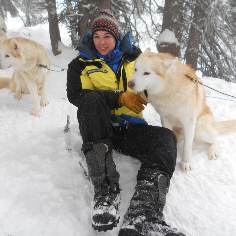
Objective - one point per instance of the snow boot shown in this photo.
(105, 210)
(105, 178)
(144, 216)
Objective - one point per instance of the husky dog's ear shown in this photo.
(169, 64)
(148, 50)
(15, 44)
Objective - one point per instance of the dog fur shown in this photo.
(29, 60)
(179, 101)
(3, 27)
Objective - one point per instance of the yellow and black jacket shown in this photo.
(88, 73)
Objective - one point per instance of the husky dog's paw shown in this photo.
(18, 95)
(186, 166)
(213, 151)
(35, 113)
(44, 102)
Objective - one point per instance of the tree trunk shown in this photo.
(172, 21)
(53, 26)
(168, 43)
(192, 51)
(72, 23)
(105, 4)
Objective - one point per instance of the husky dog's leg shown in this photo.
(213, 150)
(208, 136)
(206, 133)
(165, 123)
(178, 132)
(188, 129)
(34, 93)
(44, 101)
(15, 77)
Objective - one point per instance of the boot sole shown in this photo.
(105, 227)
(129, 232)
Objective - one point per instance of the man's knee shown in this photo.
(94, 118)
(91, 99)
(92, 106)
(170, 135)
(164, 138)
(163, 151)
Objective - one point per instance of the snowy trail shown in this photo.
(44, 191)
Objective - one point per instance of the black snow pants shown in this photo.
(154, 146)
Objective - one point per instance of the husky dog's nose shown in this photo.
(131, 84)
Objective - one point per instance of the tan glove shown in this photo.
(133, 101)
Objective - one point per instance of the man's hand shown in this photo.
(133, 101)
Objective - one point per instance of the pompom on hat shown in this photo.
(104, 20)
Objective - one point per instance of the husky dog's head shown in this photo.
(3, 27)
(150, 72)
(10, 53)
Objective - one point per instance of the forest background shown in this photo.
(204, 29)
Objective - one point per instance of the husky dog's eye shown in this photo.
(7, 55)
(135, 69)
(146, 73)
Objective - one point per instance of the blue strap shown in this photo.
(125, 120)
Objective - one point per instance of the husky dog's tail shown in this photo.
(5, 82)
(224, 127)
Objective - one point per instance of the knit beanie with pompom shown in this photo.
(104, 20)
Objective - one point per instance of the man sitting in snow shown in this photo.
(110, 117)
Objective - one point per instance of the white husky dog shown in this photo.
(179, 101)
(3, 27)
(31, 68)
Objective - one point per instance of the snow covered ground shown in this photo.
(43, 189)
